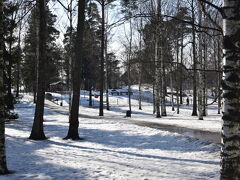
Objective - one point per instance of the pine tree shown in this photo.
(76, 75)
(37, 128)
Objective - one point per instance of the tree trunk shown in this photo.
(37, 128)
(102, 59)
(171, 84)
(9, 102)
(3, 162)
(177, 84)
(76, 72)
(106, 60)
(200, 66)
(90, 94)
(70, 63)
(204, 73)
(181, 70)
(18, 60)
(219, 77)
(154, 98)
(140, 70)
(194, 112)
(230, 152)
(157, 80)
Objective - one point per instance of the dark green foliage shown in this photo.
(53, 52)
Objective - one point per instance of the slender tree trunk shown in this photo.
(18, 60)
(106, 60)
(171, 83)
(154, 98)
(102, 59)
(204, 71)
(200, 73)
(70, 63)
(9, 102)
(140, 71)
(3, 162)
(219, 76)
(177, 82)
(76, 72)
(36, 19)
(37, 128)
(90, 94)
(163, 85)
(129, 68)
(181, 70)
(157, 80)
(194, 112)
(230, 152)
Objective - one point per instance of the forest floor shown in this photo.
(113, 147)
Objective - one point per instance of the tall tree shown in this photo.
(37, 128)
(194, 112)
(3, 163)
(230, 153)
(76, 75)
(31, 52)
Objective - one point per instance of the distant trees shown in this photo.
(29, 65)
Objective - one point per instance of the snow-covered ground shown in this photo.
(111, 148)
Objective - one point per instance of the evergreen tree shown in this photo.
(30, 50)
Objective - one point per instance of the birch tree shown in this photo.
(230, 153)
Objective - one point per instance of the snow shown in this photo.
(112, 148)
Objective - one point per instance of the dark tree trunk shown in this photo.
(90, 95)
(3, 162)
(194, 112)
(102, 59)
(9, 99)
(76, 75)
(219, 76)
(37, 128)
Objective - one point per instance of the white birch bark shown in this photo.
(230, 152)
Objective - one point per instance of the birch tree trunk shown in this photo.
(3, 163)
(37, 128)
(230, 152)
(76, 79)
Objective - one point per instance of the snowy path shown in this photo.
(110, 150)
(176, 128)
